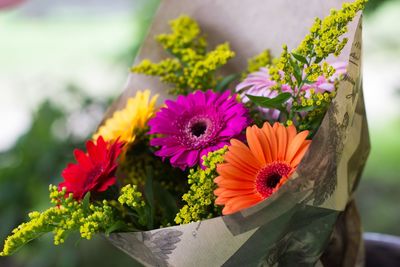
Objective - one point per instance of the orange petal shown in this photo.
(228, 193)
(281, 136)
(263, 139)
(226, 210)
(295, 144)
(300, 153)
(273, 144)
(239, 203)
(218, 191)
(233, 184)
(244, 198)
(235, 142)
(218, 179)
(243, 152)
(228, 171)
(291, 130)
(221, 200)
(240, 164)
(245, 204)
(254, 144)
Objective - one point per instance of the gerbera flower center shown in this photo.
(198, 128)
(269, 177)
(199, 131)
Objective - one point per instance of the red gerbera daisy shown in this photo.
(94, 170)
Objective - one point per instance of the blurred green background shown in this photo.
(61, 64)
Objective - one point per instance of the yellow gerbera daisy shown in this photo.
(126, 122)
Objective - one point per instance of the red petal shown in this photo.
(73, 173)
(105, 185)
(93, 152)
(103, 148)
(83, 159)
(115, 151)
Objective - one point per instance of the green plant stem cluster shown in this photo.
(192, 68)
(200, 198)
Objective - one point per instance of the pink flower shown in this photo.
(259, 84)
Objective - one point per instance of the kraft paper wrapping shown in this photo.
(312, 220)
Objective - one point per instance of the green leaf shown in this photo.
(314, 125)
(303, 109)
(224, 83)
(318, 60)
(86, 202)
(298, 73)
(308, 82)
(149, 194)
(266, 102)
(300, 58)
(118, 225)
(169, 207)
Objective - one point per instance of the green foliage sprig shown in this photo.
(192, 68)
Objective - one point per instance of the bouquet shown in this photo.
(220, 164)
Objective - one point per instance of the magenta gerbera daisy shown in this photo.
(196, 124)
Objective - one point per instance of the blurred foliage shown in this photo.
(143, 16)
(35, 161)
(379, 190)
(377, 201)
(372, 5)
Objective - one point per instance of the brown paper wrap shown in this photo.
(312, 219)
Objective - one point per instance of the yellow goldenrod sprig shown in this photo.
(185, 37)
(192, 68)
(324, 38)
(66, 216)
(131, 197)
(200, 198)
(259, 61)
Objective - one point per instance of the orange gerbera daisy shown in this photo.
(254, 172)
